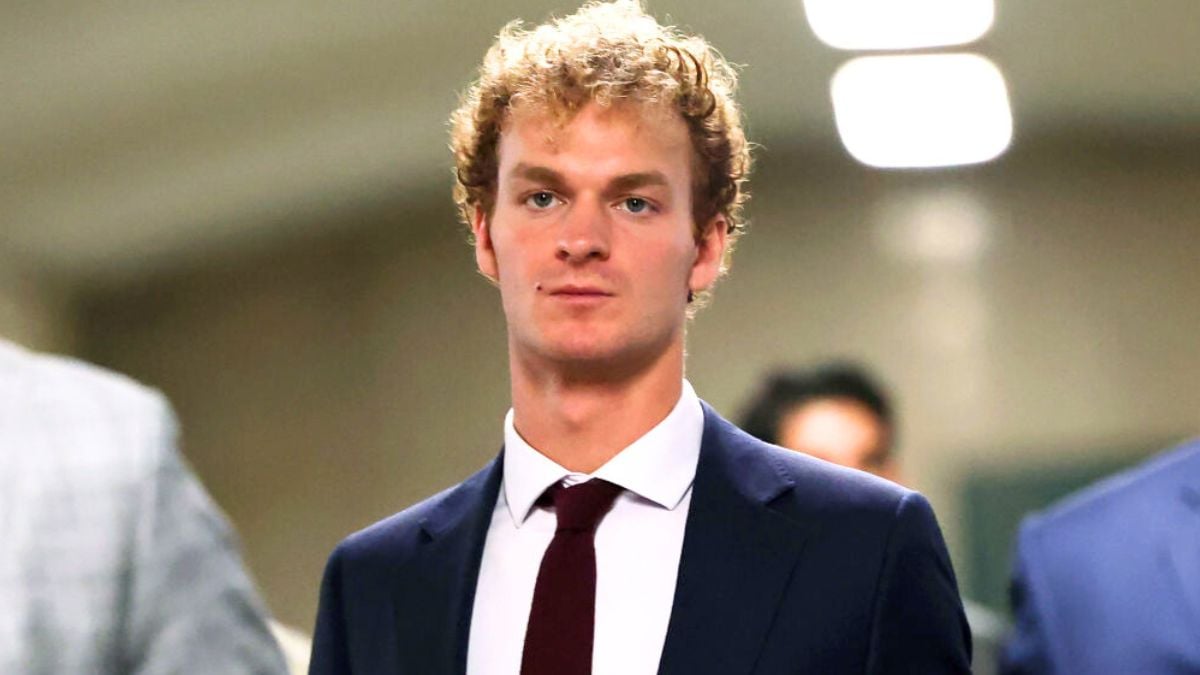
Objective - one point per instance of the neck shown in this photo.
(582, 416)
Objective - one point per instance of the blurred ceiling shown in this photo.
(136, 134)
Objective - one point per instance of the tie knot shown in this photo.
(580, 507)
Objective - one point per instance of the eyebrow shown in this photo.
(622, 183)
(633, 181)
(537, 174)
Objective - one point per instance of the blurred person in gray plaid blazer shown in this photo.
(113, 558)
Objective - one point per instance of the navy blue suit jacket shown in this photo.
(1109, 581)
(789, 565)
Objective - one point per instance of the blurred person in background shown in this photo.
(113, 559)
(626, 528)
(1107, 582)
(839, 412)
(835, 411)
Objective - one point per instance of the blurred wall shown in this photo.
(34, 312)
(1047, 300)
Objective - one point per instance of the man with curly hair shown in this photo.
(626, 528)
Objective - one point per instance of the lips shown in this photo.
(579, 291)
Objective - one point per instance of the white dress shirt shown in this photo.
(638, 544)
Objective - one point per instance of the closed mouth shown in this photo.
(580, 292)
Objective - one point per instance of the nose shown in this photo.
(584, 234)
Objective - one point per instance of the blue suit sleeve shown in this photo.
(918, 625)
(330, 655)
(1026, 652)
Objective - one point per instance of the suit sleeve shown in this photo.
(192, 606)
(1027, 651)
(918, 624)
(330, 654)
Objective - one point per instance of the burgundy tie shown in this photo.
(558, 639)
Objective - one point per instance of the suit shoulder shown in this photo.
(1127, 495)
(89, 423)
(384, 535)
(837, 487)
(394, 537)
(850, 513)
(810, 490)
(1131, 501)
(63, 387)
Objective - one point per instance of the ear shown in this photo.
(710, 254)
(485, 253)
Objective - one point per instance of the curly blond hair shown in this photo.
(606, 52)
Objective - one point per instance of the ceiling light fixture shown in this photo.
(925, 110)
(898, 24)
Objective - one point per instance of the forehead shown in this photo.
(596, 136)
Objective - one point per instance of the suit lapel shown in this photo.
(434, 614)
(738, 555)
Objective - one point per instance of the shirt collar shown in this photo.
(659, 467)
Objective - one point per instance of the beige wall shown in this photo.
(34, 312)
(1046, 301)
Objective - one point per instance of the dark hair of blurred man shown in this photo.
(836, 411)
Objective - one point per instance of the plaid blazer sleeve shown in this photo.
(113, 558)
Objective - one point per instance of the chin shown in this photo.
(597, 348)
(606, 360)
(582, 352)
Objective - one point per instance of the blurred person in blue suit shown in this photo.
(113, 559)
(839, 412)
(601, 162)
(1107, 582)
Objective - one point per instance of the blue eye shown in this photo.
(636, 204)
(540, 200)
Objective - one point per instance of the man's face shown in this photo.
(591, 239)
(838, 430)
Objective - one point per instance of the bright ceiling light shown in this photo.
(922, 111)
(898, 24)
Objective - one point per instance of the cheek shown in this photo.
(667, 271)
(518, 275)
(680, 258)
(508, 258)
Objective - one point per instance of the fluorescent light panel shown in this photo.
(898, 24)
(922, 110)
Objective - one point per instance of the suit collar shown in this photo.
(460, 505)
(738, 556)
(659, 466)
